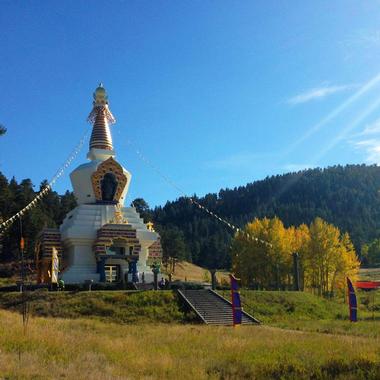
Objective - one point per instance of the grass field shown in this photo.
(306, 312)
(279, 309)
(91, 349)
(112, 306)
(369, 274)
(122, 335)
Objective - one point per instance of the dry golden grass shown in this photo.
(91, 349)
(369, 274)
(193, 273)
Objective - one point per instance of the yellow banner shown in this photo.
(54, 266)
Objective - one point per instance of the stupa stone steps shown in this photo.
(212, 308)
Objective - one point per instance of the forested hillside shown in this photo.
(347, 197)
(49, 212)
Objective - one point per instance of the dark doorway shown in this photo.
(108, 185)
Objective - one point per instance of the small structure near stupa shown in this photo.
(100, 240)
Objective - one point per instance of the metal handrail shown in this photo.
(230, 303)
(202, 312)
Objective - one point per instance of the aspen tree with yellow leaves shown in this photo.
(260, 265)
(301, 241)
(331, 258)
(326, 255)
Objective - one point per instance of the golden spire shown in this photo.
(101, 117)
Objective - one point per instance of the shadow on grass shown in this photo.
(360, 369)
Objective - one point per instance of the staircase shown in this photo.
(212, 308)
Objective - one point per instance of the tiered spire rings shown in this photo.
(101, 117)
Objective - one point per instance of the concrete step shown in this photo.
(212, 308)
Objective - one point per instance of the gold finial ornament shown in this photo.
(150, 226)
(100, 96)
(100, 105)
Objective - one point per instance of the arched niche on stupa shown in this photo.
(109, 181)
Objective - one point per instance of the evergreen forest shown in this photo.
(346, 196)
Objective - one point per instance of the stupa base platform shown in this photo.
(78, 275)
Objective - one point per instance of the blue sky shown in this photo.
(214, 93)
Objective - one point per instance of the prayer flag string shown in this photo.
(7, 223)
(191, 199)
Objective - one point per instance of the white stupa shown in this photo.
(101, 240)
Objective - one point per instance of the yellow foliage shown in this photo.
(326, 255)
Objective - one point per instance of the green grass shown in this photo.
(115, 306)
(307, 312)
(283, 309)
(289, 310)
(272, 307)
(6, 281)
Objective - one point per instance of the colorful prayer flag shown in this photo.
(352, 301)
(236, 302)
(54, 266)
